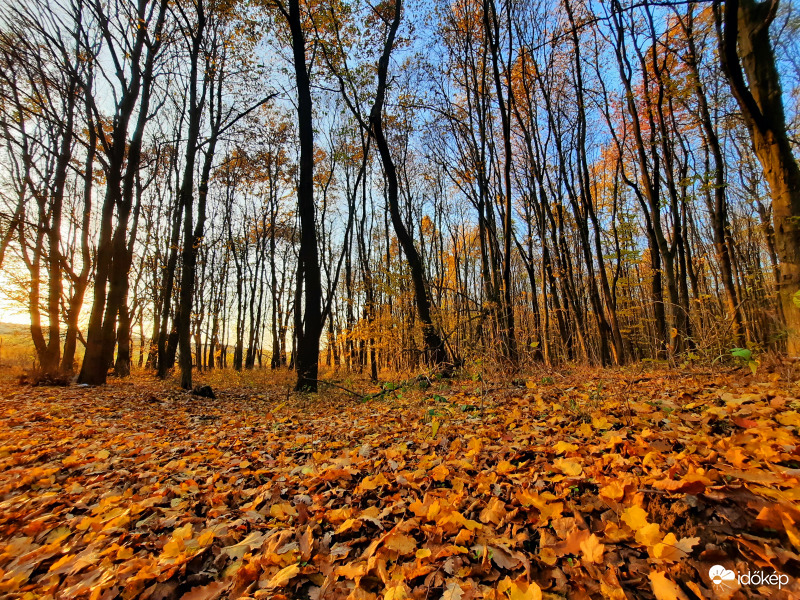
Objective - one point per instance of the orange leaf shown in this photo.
(401, 543)
(649, 535)
(592, 549)
(207, 592)
(568, 467)
(440, 473)
(665, 589)
(494, 512)
(284, 576)
(635, 517)
(370, 483)
(613, 491)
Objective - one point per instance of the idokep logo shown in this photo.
(720, 576)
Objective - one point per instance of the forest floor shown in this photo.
(580, 483)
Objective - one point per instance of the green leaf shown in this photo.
(742, 354)
(796, 298)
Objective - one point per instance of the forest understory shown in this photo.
(576, 483)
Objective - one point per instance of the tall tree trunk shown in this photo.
(122, 365)
(306, 358)
(434, 345)
(718, 209)
(760, 100)
(81, 281)
(113, 260)
(491, 22)
(190, 233)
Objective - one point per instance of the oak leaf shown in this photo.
(453, 591)
(400, 543)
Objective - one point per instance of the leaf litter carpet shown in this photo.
(589, 484)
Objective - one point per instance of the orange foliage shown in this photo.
(627, 484)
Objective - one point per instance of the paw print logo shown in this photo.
(720, 576)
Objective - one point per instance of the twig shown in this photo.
(344, 389)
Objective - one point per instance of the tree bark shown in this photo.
(434, 345)
(760, 100)
(308, 331)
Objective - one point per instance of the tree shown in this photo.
(43, 67)
(134, 61)
(309, 281)
(434, 345)
(745, 25)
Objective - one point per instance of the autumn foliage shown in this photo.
(583, 484)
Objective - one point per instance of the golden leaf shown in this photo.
(665, 589)
(568, 467)
(562, 447)
(284, 576)
(400, 542)
(592, 549)
(548, 556)
(370, 483)
(600, 423)
(649, 535)
(440, 473)
(667, 549)
(205, 538)
(613, 491)
(635, 517)
(504, 467)
(494, 512)
(397, 592)
(520, 591)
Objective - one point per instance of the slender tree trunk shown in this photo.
(309, 328)
(491, 21)
(81, 282)
(434, 345)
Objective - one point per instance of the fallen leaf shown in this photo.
(453, 591)
(207, 592)
(665, 589)
(284, 576)
(568, 467)
(635, 517)
(592, 549)
(401, 543)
